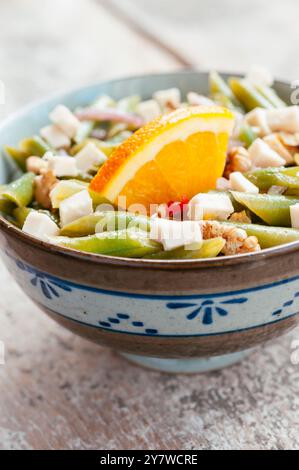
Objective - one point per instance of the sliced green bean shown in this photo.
(18, 156)
(20, 191)
(209, 249)
(6, 206)
(247, 135)
(247, 94)
(220, 91)
(104, 221)
(20, 214)
(269, 236)
(129, 243)
(270, 95)
(98, 200)
(274, 210)
(106, 147)
(267, 177)
(34, 146)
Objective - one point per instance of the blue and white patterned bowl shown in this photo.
(181, 316)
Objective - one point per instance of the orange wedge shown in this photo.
(176, 155)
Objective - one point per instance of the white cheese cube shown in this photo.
(274, 142)
(213, 206)
(284, 119)
(65, 120)
(62, 166)
(294, 212)
(263, 156)
(40, 225)
(89, 157)
(170, 98)
(174, 234)
(148, 110)
(74, 207)
(55, 137)
(194, 99)
(222, 184)
(258, 118)
(239, 182)
(65, 189)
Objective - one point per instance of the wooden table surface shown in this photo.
(58, 391)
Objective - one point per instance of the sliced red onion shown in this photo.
(109, 114)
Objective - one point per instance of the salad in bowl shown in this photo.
(158, 215)
(170, 177)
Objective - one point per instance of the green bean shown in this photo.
(209, 249)
(129, 243)
(6, 206)
(18, 156)
(220, 91)
(106, 147)
(34, 146)
(20, 191)
(247, 135)
(274, 210)
(269, 236)
(247, 94)
(20, 214)
(270, 95)
(265, 178)
(98, 200)
(107, 221)
(30, 146)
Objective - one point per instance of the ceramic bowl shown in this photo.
(181, 316)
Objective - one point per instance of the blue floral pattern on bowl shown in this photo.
(49, 287)
(206, 308)
(159, 315)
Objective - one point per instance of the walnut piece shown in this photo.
(42, 188)
(241, 217)
(237, 160)
(237, 240)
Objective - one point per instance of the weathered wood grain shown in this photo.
(60, 43)
(58, 391)
(226, 34)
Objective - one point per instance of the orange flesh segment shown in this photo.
(180, 168)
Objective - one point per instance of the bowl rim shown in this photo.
(231, 260)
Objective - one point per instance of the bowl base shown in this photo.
(187, 366)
